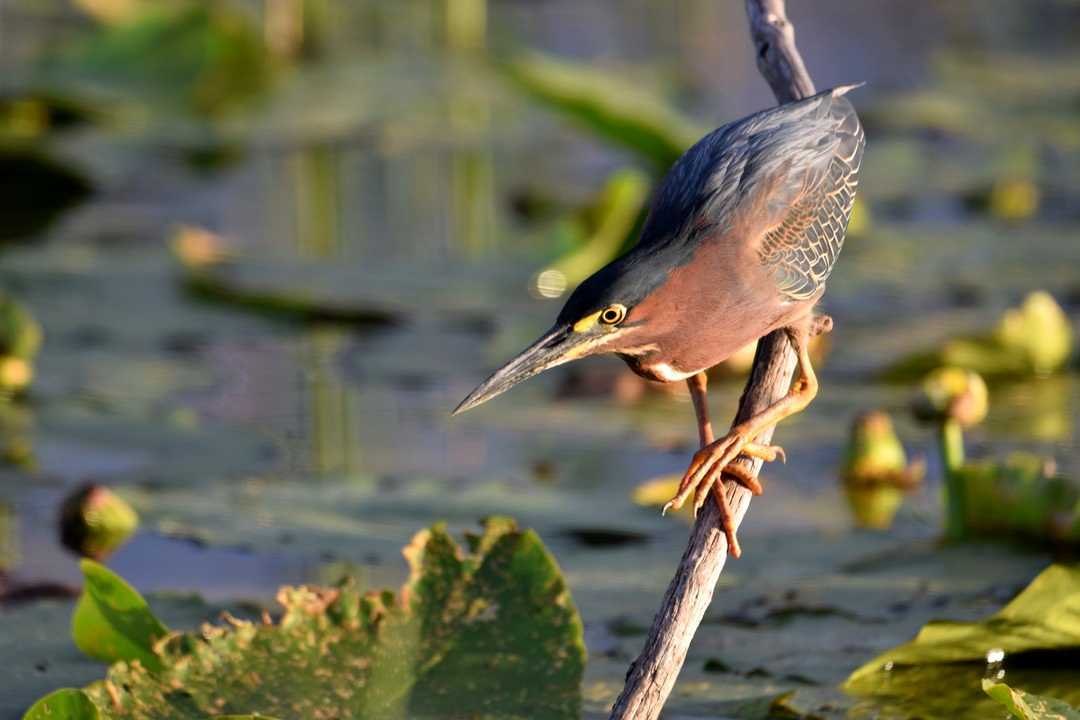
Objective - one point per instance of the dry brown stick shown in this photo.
(652, 676)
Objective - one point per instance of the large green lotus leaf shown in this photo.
(1045, 616)
(612, 108)
(477, 633)
(66, 704)
(112, 622)
(1026, 706)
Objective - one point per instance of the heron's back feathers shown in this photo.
(782, 180)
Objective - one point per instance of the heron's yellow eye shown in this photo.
(613, 315)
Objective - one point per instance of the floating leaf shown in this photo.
(1026, 706)
(112, 621)
(66, 704)
(483, 632)
(1045, 616)
(614, 108)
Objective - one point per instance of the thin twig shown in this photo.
(652, 676)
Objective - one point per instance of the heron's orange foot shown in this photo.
(713, 462)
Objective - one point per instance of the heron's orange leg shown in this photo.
(698, 384)
(715, 458)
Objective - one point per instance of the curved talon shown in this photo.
(727, 521)
(768, 453)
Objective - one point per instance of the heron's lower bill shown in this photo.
(555, 347)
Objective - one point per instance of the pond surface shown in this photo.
(262, 450)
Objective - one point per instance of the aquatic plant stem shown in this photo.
(652, 676)
(951, 438)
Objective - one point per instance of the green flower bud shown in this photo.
(20, 333)
(95, 522)
(1038, 331)
(876, 472)
(952, 393)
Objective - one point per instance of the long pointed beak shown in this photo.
(555, 347)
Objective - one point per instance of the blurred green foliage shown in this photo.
(1033, 339)
(20, 340)
(1022, 496)
(186, 57)
(599, 231)
(612, 108)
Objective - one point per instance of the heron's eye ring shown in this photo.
(613, 315)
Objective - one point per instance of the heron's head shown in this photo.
(605, 314)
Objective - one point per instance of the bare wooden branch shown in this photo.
(652, 676)
(777, 57)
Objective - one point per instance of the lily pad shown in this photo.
(1026, 706)
(1045, 616)
(472, 632)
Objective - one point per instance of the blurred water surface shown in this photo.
(262, 451)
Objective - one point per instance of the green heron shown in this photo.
(741, 237)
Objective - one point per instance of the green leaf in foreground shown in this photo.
(1045, 616)
(1026, 706)
(487, 631)
(112, 622)
(66, 704)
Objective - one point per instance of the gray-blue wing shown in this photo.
(782, 180)
(812, 212)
